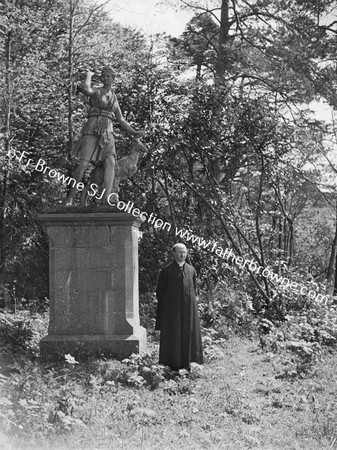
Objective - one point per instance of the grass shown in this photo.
(238, 401)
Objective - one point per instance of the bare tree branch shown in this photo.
(205, 10)
(80, 28)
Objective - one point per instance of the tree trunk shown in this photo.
(331, 272)
(70, 77)
(198, 72)
(222, 60)
(290, 243)
(335, 284)
(7, 129)
(257, 224)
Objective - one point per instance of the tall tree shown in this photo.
(197, 43)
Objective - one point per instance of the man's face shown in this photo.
(180, 254)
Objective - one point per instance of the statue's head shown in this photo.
(108, 71)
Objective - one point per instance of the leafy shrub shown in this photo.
(40, 401)
(224, 307)
(147, 310)
(142, 371)
(301, 337)
(22, 332)
(317, 324)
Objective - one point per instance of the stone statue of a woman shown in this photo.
(97, 142)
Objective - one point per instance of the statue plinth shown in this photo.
(94, 300)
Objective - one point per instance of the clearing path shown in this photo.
(237, 403)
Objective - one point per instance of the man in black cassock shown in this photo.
(177, 313)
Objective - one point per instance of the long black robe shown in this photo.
(177, 317)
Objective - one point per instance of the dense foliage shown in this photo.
(238, 161)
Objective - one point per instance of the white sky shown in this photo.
(150, 16)
(158, 16)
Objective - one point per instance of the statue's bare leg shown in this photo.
(109, 176)
(78, 175)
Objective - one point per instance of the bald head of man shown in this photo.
(180, 253)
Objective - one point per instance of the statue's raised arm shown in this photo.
(86, 86)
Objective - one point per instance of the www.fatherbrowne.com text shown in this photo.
(227, 253)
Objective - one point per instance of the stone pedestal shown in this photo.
(93, 284)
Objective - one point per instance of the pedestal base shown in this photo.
(93, 285)
(79, 346)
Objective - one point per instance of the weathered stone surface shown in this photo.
(116, 346)
(93, 284)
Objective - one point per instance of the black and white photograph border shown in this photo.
(168, 224)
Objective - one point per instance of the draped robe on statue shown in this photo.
(97, 141)
(177, 317)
